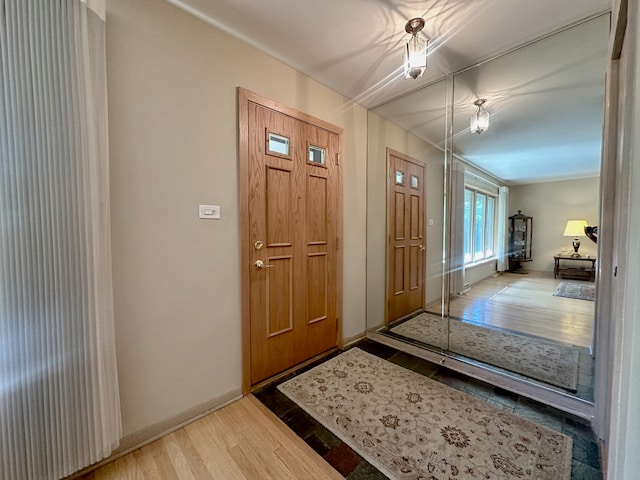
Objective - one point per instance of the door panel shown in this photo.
(278, 195)
(317, 209)
(272, 219)
(317, 287)
(321, 237)
(293, 198)
(279, 298)
(399, 219)
(405, 252)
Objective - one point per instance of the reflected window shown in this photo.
(479, 225)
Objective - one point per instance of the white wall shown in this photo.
(383, 134)
(551, 204)
(172, 83)
(477, 273)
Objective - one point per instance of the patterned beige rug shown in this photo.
(411, 427)
(580, 291)
(548, 361)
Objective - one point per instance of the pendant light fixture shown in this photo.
(479, 121)
(415, 52)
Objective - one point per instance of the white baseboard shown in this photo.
(347, 342)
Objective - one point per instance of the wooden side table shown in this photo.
(579, 268)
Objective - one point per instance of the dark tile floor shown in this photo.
(586, 455)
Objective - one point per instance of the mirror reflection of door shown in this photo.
(406, 238)
(546, 102)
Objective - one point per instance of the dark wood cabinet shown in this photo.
(520, 236)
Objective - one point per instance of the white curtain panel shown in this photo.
(502, 247)
(59, 403)
(456, 284)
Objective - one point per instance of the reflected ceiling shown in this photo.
(547, 108)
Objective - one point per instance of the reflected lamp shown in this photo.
(479, 121)
(575, 228)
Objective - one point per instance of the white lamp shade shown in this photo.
(415, 57)
(575, 228)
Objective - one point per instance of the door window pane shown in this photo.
(415, 182)
(399, 177)
(278, 144)
(316, 155)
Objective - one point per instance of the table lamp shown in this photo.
(575, 228)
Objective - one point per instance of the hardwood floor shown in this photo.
(525, 304)
(243, 441)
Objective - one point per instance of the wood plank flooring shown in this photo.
(525, 303)
(242, 441)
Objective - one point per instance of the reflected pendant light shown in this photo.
(479, 121)
(415, 52)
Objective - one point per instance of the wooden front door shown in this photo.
(405, 235)
(292, 234)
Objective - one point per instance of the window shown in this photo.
(277, 144)
(479, 225)
(316, 155)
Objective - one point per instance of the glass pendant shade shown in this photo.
(479, 121)
(415, 57)
(415, 52)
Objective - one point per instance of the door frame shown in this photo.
(244, 98)
(389, 186)
(613, 192)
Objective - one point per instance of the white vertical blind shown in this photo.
(59, 403)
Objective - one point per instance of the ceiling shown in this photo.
(355, 47)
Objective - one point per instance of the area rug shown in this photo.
(580, 291)
(547, 361)
(411, 427)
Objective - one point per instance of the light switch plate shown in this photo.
(209, 211)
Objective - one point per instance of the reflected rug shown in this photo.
(549, 362)
(580, 291)
(411, 427)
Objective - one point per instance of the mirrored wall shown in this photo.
(443, 274)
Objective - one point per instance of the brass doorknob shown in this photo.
(422, 247)
(259, 265)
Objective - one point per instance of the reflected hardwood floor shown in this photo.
(242, 441)
(524, 303)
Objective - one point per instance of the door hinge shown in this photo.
(338, 158)
(337, 243)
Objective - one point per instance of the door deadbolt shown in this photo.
(258, 245)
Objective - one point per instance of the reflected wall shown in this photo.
(424, 113)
